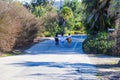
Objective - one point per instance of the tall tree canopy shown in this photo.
(97, 17)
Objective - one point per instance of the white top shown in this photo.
(62, 38)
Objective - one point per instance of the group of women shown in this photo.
(61, 39)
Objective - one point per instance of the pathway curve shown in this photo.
(46, 61)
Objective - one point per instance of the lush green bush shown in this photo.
(47, 34)
(98, 44)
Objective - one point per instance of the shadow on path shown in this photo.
(71, 71)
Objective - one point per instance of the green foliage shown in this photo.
(69, 16)
(66, 20)
(47, 34)
(48, 16)
(79, 26)
(39, 2)
(51, 22)
(77, 8)
(114, 13)
(51, 26)
(97, 17)
(98, 44)
(66, 13)
(79, 32)
(70, 23)
(101, 15)
(114, 8)
(78, 14)
(39, 11)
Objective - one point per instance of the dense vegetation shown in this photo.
(17, 26)
(98, 44)
(67, 19)
(20, 24)
(100, 16)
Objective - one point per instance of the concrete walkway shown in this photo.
(46, 61)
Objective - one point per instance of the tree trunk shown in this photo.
(116, 50)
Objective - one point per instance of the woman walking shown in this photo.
(56, 39)
(69, 39)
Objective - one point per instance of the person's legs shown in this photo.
(56, 41)
(69, 41)
(62, 43)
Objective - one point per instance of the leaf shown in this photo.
(96, 17)
(103, 4)
(93, 24)
(90, 18)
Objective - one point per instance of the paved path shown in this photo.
(46, 61)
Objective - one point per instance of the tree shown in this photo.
(39, 2)
(78, 15)
(97, 16)
(75, 6)
(114, 12)
(101, 15)
(66, 16)
(66, 13)
(47, 13)
(40, 7)
(51, 23)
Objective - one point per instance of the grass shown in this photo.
(16, 52)
(6, 54)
